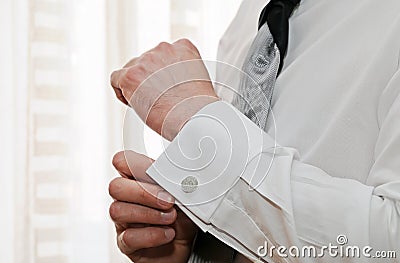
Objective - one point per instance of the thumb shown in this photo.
(133, 165)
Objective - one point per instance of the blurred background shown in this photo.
(60, 123)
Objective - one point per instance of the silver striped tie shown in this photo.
(260, 70)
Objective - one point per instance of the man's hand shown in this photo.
(166, 86)
(149, 227)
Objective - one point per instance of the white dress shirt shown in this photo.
(329, 162)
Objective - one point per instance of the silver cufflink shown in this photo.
(189, 184)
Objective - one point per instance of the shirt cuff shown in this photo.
(207, 158)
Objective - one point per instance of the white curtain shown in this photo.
(60, 123)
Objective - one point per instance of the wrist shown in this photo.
(181, 113)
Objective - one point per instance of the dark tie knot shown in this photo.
(276, 14)
(278, 8)
(291, 3)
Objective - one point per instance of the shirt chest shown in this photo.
(340, 57)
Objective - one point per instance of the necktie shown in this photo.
(264, 61)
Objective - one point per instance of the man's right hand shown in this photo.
(149, 227)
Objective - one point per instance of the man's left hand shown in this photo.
(143, 212)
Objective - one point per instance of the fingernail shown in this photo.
(167, 217)
(164, 198)
(169, 233)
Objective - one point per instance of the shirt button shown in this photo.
(189, 184)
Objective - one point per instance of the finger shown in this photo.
(134, 239)
(121, 227)
(184, 227)
(122, 212)
(129, 79)
(132, 191)
(120, 96)
(115, 81)
(133, 165)
(124, 81)
(116, 78)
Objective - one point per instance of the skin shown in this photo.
(150, 228)
(165, 109)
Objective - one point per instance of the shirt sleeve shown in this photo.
(238, 184)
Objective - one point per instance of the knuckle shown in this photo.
(132, 215)
(147, 57)
(186, 42)
(131, 73)
(150, 215)
(134, 74)
(130, 62)
(164, 45)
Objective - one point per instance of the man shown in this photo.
(325, 171)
